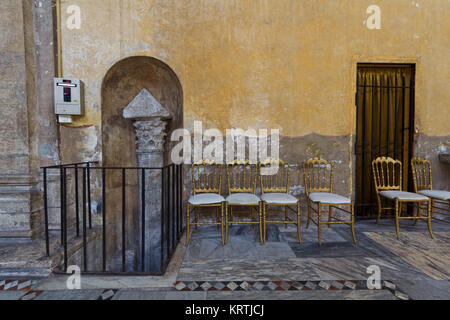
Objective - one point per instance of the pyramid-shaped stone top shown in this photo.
(144, 105)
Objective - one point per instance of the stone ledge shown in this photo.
(19, 179)
(28, 258)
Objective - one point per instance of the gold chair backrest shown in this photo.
(242, 176)
(421, 172)
(387, 174)
(318, 175)
(278, 180)
(206, 177)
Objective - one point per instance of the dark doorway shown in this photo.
(385, 125)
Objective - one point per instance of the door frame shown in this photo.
(363, 59)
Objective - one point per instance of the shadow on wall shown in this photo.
(120, 85)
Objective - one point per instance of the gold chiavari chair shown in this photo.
(318, 179)
(274, 180)
(242, 177)
(206, 184)
(422, 178)
(387, 174)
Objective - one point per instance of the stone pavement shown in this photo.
(413, 267)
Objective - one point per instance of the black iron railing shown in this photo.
(171, 222)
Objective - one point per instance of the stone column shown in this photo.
(150, 121)
(28, 127)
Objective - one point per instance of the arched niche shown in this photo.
(123, 81)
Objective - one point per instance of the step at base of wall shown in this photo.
(24, 273)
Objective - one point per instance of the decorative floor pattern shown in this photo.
(191, 289)
(25, 285)
(31, 295)
(285, 286)
(107, 294)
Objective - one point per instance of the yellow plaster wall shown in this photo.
(287, 64)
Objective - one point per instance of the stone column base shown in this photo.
(21, 209)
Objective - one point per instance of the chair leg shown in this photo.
(217, 217)
(264, 222)
(417, 213)
(231, 216)
(379, 208)
(330, 212)
(299, 233)
(252, 213)
(319, 231)
(187, 223)
(430, 213)
(432, 206)
(260, 224)
(221, 223)
(196, 217)
(286, 213)
(396, 218)
(352, 209)
(226, 222)
(309, 213)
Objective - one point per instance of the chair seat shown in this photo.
(206, 198)
(278, 198)
(436, 194)
(326, 197)
(403, 195)
(243, 198)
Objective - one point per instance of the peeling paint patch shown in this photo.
(47, 151)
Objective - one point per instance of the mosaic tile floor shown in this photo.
(285, 286)
(24, 285)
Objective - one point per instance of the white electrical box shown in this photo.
(69, 96)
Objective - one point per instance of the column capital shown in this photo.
(150, 134)
(149, 120)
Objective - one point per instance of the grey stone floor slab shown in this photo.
(425, 289)
(369, 247)
(303, 295)
(125, 294)
(429, 255)
(242, 269)
(355, 268)
(58, 282)
(344, 268)
(69, 295)
(237, 247)
(327, 250)
(139, 295)
(142, 294)
(310, 235)
(28, 259)
(11, 295)
(185, 296)
(275, 251)
(387, 225)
